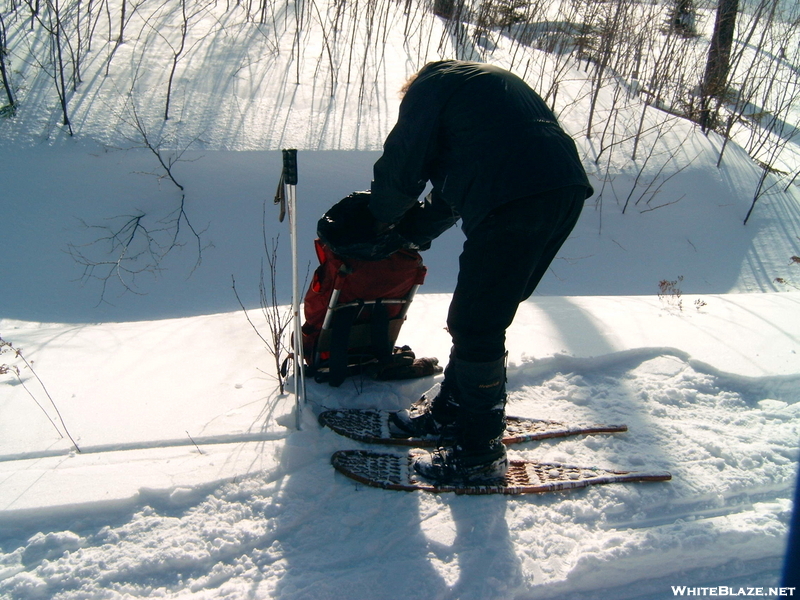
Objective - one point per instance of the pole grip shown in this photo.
(290, 167)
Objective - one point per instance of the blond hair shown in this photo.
(404, 88)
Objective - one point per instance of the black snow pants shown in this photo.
(503, 260)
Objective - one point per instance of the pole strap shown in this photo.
(280, 198)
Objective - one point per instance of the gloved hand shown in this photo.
(404, 365)
(421, 367)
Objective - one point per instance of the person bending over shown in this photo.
(497, 160)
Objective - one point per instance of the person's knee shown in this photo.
(479, 348)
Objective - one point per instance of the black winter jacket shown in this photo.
(481, 136)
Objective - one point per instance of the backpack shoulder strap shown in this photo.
(379, 335)
(341, 324)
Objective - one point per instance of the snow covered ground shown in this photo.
(192, 482)
(188, 485)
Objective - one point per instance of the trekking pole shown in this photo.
(289, 178)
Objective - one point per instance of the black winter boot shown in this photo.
(432, 416)
(478, 454)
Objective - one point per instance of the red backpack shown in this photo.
(354, 310)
